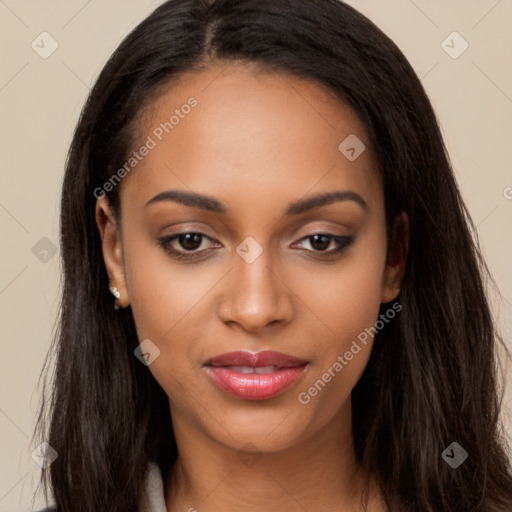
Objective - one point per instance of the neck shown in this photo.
(320, 473)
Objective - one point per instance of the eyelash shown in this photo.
(165, 242)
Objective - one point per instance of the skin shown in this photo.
(256, 141)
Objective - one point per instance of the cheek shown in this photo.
(346, 297)
(344, 306)
(164, 294)
(169, 304)
(164, 312)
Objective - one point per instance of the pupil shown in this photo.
(190, 241)
(323, 244)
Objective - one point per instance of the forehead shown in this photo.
(250, 133)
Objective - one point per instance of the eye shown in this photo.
(184, 245)
(190, 244)
(320, 243)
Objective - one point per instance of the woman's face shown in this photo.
(243, 160)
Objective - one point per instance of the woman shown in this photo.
(261, 191)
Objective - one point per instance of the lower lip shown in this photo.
(254, 386)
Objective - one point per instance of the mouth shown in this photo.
(255, 376)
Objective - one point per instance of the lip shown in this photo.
(272, 373)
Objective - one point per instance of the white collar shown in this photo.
(153, 499)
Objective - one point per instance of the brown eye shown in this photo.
(320, 242)
(190, 241)
(185, 245)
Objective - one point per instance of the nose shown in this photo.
(256, 296)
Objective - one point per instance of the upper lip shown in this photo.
(256, 360)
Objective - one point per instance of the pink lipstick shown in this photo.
(257, 376)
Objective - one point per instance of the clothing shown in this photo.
(153, 498)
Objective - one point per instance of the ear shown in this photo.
(112, 248)
(397, 254)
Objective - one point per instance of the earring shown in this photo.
(115, 292)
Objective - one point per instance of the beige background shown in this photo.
(40, 101)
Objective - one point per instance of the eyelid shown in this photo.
(184, 256)
(167, 239)
(342, 242)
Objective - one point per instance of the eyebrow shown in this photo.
(208, 203)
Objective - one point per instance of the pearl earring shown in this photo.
(115, 292)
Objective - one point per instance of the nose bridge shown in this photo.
(256, 296)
